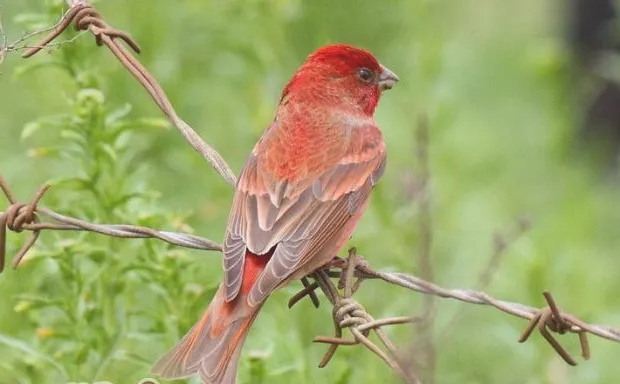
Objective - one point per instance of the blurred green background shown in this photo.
(496, 83)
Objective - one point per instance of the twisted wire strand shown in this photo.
(19, 217)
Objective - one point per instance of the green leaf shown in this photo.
(87, 95)
(22, 306)
(42, 152)
(126, 198)
(153, 123)
(25, 348)
(82, 354)
(15, 373)
(29, 129)
(143, 123)
(151, 270)
(258, 367)
(118, 114)
(30, 302)
(69, 182)
(68, 273)
(133, 358)
(74, 152)
(73, 136)
(108, 150)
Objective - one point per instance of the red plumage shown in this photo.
(299, 197)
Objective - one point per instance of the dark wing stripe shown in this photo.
(234, 261)
(355, 200)
(376, 175)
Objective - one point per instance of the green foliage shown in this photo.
(494, 80)
(95, 302)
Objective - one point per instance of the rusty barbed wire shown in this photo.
(549, 319)
(348, 313)
(351, 272)
(19, 217)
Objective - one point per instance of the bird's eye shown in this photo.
(365, 75)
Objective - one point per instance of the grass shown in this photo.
(497, 86)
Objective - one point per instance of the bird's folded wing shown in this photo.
(300, 217)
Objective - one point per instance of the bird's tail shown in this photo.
(213, 345)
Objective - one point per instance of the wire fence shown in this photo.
(350, 272)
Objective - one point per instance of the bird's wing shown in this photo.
(293, 220)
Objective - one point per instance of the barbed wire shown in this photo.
(351, 272)
(19, 217)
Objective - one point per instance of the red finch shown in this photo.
(298, 199)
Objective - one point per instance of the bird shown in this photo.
(298, 199)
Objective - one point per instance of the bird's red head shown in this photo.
(340, 74)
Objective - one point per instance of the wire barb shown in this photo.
(16, 218)
(551, 318)
(348, 313)
(309, 290)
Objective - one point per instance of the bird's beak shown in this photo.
(387, 79)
